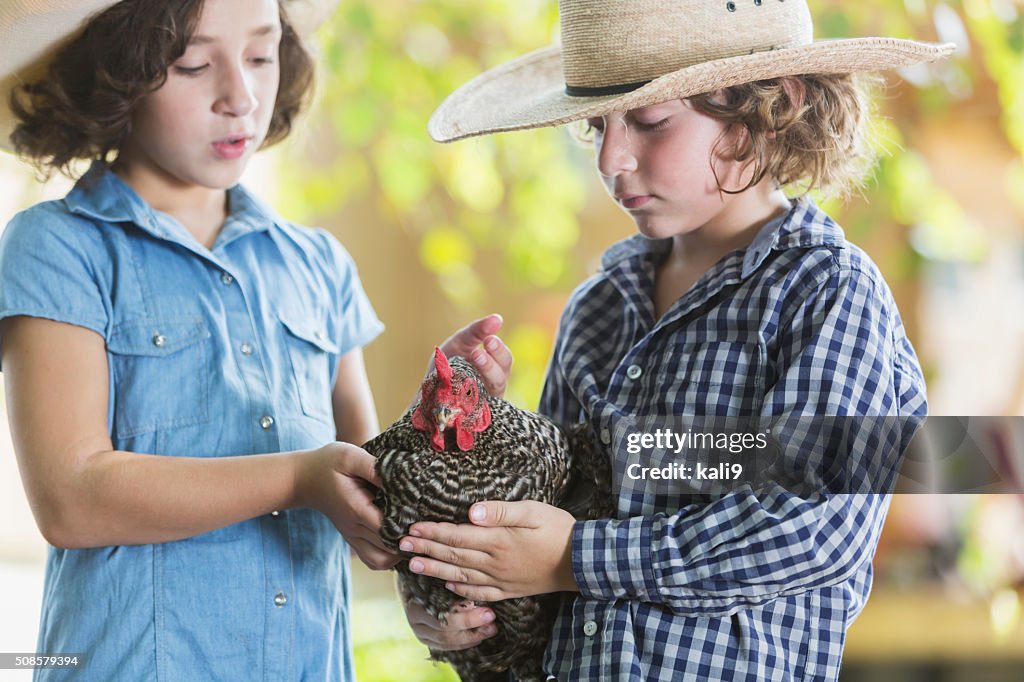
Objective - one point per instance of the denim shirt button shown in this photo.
(159, 340)
(246, 348)
(280, 599)
(226, 278)
(266, 421)
(275, 513)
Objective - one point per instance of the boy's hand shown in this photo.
(493, 360)
(337, 481)
(467, 625)
(514, 549)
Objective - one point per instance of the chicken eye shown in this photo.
(469, 389)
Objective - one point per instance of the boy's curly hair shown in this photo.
(808, 133)
(83, 108)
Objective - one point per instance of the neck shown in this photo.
(733, 228)
(201, 210)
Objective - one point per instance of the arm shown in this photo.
(355, 415)
(84, 493)
(748, 546)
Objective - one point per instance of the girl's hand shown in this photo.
(493, 360)
(467, 625)
(337, 480)
(512, 549)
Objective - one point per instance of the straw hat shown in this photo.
(618, 55)
(32, 31)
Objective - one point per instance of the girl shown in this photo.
(735, 300)
(160, 325)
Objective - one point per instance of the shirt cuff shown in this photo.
(614, 559)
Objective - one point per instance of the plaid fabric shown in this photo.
(759, 583)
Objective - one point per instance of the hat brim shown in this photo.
(529, 92)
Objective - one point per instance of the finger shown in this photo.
(494, 375)
(501, 353)
(374, 558)
(453, 535)
(448, 572)
(455, 641)
(522, 514)
(472, 335)
(477, 592)
(361, 464)
(463, 558)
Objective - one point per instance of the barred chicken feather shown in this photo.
(456, 447)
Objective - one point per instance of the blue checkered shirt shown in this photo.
(756, 584)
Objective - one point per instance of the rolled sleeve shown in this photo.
(47, 270)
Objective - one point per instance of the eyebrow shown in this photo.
(255, 33)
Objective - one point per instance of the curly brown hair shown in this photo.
(83, 108)
(806, 132)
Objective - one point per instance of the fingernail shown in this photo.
(490, 630)
(415, 533)
(405, 546)
(488, 616)
(450, 586)
(479, 357)
(491, 343)
(478, 513)
(416, 566)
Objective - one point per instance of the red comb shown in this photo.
(444, 370)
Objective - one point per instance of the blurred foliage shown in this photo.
(385, 649)
(515, 199)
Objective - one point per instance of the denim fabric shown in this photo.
(212, 353)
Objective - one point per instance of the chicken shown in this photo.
(458, 445)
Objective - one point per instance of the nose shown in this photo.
(614, 151)
(236, 96)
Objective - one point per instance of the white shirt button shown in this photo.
(319, 335)
(246, 348)
(280, 599)
(606, 436)
(590, 628)
(226, 278)
(266, 421)
(159, 340)
(275, 513)
(634, 372)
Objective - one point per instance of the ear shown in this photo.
(485, 419)
(796, 90)
(464, 439)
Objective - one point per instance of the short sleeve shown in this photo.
(356, 321)
(47, 271)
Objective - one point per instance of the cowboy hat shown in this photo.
(32, 32)
(618, 55)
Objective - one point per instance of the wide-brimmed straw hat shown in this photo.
(617, 55)
(33, 31)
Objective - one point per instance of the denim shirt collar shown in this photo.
(101, 195)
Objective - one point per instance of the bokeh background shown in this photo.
(509, 224)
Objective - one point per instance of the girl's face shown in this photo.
(656, 162)
(203, 124)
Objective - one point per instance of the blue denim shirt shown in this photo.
(212, 353)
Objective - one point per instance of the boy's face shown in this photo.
(656, 162)
(204, 123)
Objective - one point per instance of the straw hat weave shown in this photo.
(617, 55)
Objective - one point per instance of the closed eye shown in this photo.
(190, 70)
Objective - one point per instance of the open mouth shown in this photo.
(232, 147)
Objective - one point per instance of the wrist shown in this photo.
(304, 479)
(566, 578)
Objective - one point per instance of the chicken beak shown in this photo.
(443, 416)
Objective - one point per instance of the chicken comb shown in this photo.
(444, 370)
